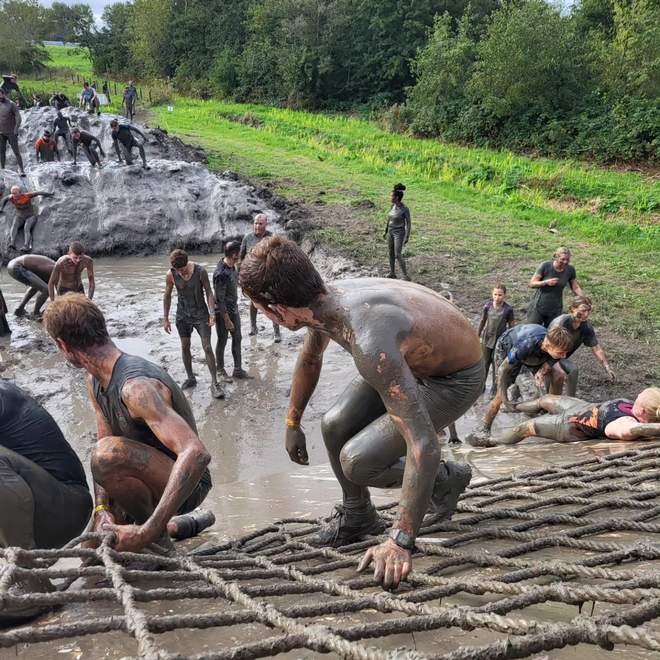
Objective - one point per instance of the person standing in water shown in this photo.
(33, 270)
(10, 122)
(259, 232)
(26, 215)
(496, 317)
(193, 293)
(67, 274)
(397, 231)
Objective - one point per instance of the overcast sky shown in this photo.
(96, 5)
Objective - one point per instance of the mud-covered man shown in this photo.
(192, 313)
(89, 145)
(33, 270)
(420, 368)
(25, 217)
(62, 129)
(67, 274)
(123, 141)
(149, 463)
(46, 148)
(10, 122)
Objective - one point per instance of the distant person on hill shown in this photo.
(67, 274)
(34, 271)
(61, 129)
(106, 90)
(258, 233)
(496, 318)
(581, 332)
(89, 100)
(397, 231)
(123, 140)
(46, 148)
(9, 85)
(89, 145)
(549, 282)
(130, 100)
(26, 215)
(568, 419)
(10, 122)
(59, 101)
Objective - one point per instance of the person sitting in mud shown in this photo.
(33, 270)
(528, 345)
(44, 493)
(565, 372)
(89, 100)
(227, 318)
(549, 281)
(420, 368)
(59, 101)
(25, 217)
(61, 129)
(89, 145)
(193, 292)
(67, 274)
(149, 464)
(496, 317)
(568, 419)
(397, 231)
(123, 140)
(10, 122)
(46, 148)
(259, 232)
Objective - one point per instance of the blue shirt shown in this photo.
(523, 345)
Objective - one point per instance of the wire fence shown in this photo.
(512, 570)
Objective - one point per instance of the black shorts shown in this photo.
(197, 496)
(186, 326)
(63, 290)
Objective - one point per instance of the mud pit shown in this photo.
(254, 481)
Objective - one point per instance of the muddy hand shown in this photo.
(391, 563)
(167, 326)
(128, 538)
(296, 446)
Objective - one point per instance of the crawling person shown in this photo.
(149, 465)
(420, 368)
(193, 293)
(123, 141)
(33, 270)
(527, 345)
(67, 274)
(568, 419)
(89, 145)
(46, 148)
(25, 217)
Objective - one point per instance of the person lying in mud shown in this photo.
(397, 231)
(258, 233)
(123, 141)
(33, 270)
(568, 419)
(149, 464)
(89, 145)
(420, 369)
(565, 372)
(193, 292)
(67, 274)
(528, 345)
(25, 218)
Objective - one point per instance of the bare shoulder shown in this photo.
(143, 395)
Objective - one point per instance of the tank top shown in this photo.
(191, 303)
(117, 415)
(396, 218)
(593, 421)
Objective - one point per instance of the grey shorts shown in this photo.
(557, 427)
(186, 325)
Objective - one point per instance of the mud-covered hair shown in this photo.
(77, 247)
(278, 272)
(77, 321)
(579, 302)
(652, 404)
(232, 248)
(178, 258)
(560, 338)
(398, 190)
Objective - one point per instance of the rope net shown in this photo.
(508, 577)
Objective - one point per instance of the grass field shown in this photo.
(479, 216)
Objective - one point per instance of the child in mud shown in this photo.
(420, 368)
(496, 317)
(568, 419)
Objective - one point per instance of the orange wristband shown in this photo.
(292, 424)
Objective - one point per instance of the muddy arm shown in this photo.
(408, 222)
(53, 280)
(90, 279)
(482, 322)
(210, 300)
(575, 287)
(3, 203)
(599, 354)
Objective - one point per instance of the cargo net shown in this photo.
(550, 558)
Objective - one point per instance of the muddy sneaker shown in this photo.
(223, 375)
(343, 528)
(26, 584)
(452, 480)
(217, 392)
(241, 374)
(188, 383)
(253, 331)
(191, 524)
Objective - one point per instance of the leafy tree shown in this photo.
(69, 22)
(21, 26)
(148, 30)
(109, 47)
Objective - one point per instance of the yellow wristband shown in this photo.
(101, 507)
(292, 424)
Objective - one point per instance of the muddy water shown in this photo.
(254, 481)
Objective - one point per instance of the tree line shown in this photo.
(582, 81)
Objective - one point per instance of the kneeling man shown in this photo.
(149, 463)
(420, 368)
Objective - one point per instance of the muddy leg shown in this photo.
(398, 248)
(3, 151)
(20, 310)
(186, 356)
(13, 141)
(390, 245)
(253, 320)
(221, 341)
(236, 339)
(516, 434)
(142, 155)
(16, 226)
(27, 232)
(204, 331)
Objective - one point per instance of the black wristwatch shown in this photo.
(402, 539)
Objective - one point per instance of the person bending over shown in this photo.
(582, 332)
(26, 215)
(123, 140)
(148, 463)
(568, 419)
(89, 145)
(33, 270)
(193, 292)
(67, 274)
(528, 345)
(420, 368)
(227, 319)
